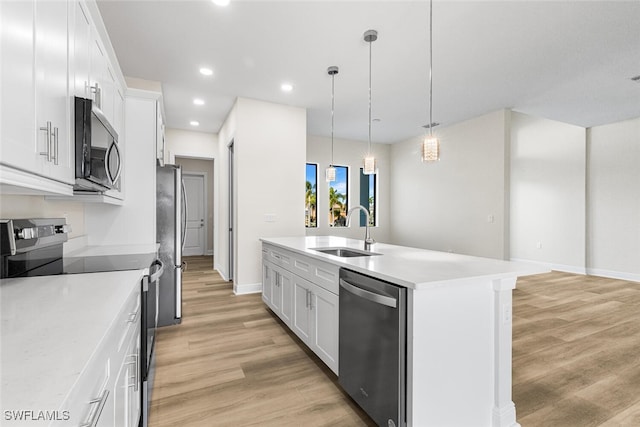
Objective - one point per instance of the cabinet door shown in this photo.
(301, 309)
(160, 155)
(97, 71)
(17, 87)
(121, 394)
(81, 51)
(267, 279)
(52, 88)
(286, 289)
(276, 291)
(324, 309)
(136, 382)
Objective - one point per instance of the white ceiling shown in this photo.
(567, 61)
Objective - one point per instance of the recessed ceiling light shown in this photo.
(286, 87)
(221, 2)
(198, 101)
(194, 123)
(206, 71)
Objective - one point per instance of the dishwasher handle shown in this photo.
(371, 296)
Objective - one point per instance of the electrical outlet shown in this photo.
(270, 218)
(491, 219)
(539, 245)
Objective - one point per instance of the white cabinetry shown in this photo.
(309, 309)
(108, 391)
(277, 291)
(36, 120)
(160, 146)
(51, 51)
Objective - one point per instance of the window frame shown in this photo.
(346, 196)
(307, 215)
(374, 214)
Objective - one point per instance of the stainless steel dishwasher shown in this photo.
(372, 352)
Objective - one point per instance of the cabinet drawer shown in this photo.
(321, 273)
(279, 257)
(128, 318)
(92, 384)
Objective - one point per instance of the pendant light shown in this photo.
(330, 172)
(369, 161)
(430, 145)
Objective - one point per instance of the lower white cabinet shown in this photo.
(310, 310)
(108, 391)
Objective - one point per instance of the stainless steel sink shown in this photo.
(344, 252)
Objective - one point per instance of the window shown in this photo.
(368, 197)
(311, 196)
(339, 198)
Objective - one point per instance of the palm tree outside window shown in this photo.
(311, 196)
(339, 197)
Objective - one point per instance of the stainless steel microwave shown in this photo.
(98, 157)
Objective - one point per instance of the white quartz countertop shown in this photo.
(51, 325)
(410, 267)
(111, 250)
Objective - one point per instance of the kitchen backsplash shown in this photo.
(12, 206)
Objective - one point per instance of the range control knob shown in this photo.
(27, 233)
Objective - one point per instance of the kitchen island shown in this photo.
(459, 311)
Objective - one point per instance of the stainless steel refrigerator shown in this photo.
(171, 214)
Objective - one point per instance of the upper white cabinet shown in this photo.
(51, 52)
(36, 121)
(160, 148)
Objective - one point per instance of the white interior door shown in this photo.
(195, 238)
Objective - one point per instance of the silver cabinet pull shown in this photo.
(55, 146)
(95, 89)
(134, 362)
(95, 416)
(47, 153)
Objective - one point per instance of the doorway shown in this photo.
(231, 211)
(195, 236)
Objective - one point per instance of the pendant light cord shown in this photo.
(430, 67)
(369, 153)
(332, 107)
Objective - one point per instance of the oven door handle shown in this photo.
(371, 296)
(156, 275)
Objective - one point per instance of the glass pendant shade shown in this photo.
(369, 165)
(330, 173)
(430, 149)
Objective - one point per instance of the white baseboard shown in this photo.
(584, 270)
(221, 273)
(250, 288)
(614, 274)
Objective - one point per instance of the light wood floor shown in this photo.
(576, 359)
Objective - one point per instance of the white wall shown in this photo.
(14, 207)
(613, 159)
(349, 153)
(446, 205)
(221, 195)
(184, 143)
(270, 151)
(133, 223)
(548, 190)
